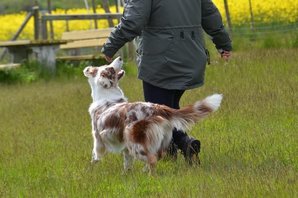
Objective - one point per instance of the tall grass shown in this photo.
(249, 147)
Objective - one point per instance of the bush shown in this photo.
(33, 71)
(26, 73)
(72, 69)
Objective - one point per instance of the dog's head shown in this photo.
(106, 76)
(104, 80)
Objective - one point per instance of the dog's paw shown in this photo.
(145, 169)
(126, 171)
(94, 161)
(94, 158)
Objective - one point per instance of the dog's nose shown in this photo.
(120, 58)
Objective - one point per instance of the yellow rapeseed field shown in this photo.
(264, 11)
(268, 11)
(10, 23)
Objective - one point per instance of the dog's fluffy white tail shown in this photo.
(185, 117)
(213, 101)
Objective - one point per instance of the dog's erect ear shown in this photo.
(90, 71)
(120, 74)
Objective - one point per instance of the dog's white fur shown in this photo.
(140, 130)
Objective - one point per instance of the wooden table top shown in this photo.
(30, 43)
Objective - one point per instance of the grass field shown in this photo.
(249, 147)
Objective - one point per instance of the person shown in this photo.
(171, 55)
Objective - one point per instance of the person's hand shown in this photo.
(109, 59)
(225, 54)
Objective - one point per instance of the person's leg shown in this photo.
(179, 137)
(189, 146)
(159, 95)
(164, 97)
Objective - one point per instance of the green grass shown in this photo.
(268, 40)
(249, 147)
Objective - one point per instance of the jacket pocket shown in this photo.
(187, 57)
(156, 42)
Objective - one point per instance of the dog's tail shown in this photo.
(183, 118)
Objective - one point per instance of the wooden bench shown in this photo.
(79, 41)
(44, 51)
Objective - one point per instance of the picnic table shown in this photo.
(83, 39)
(44, 51)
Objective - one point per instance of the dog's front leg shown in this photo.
(98, 147)
(128, 160)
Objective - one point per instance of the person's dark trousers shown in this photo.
(169, 98)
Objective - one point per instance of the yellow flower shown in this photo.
(269, 11)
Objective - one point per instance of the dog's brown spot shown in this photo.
(143, 152)
(103, 74)
(99, 110)
(112, 121)
(132, 106)
(132, 117)
(115, 121)
(187, 110)
(109, 73)
(163, 111)
(111, 70)
(138, 132)
(188, 114)
(160, 153)
(97, 113)
(92, 71)
(145, 110)
(204, 108)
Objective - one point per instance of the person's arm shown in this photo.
(213, 26)
(135, 16)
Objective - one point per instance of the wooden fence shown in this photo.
(67, 17)
(41, 23)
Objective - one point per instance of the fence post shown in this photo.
(44, 28)
(252, 20)
(118, 5)
(35, 10)
(66, 22)
(94, 11)
(51, 22)
(228, 16)
(105, 5)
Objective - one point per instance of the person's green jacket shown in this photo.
(172, 52)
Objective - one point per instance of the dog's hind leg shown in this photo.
(128, 160)
(151, 163)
